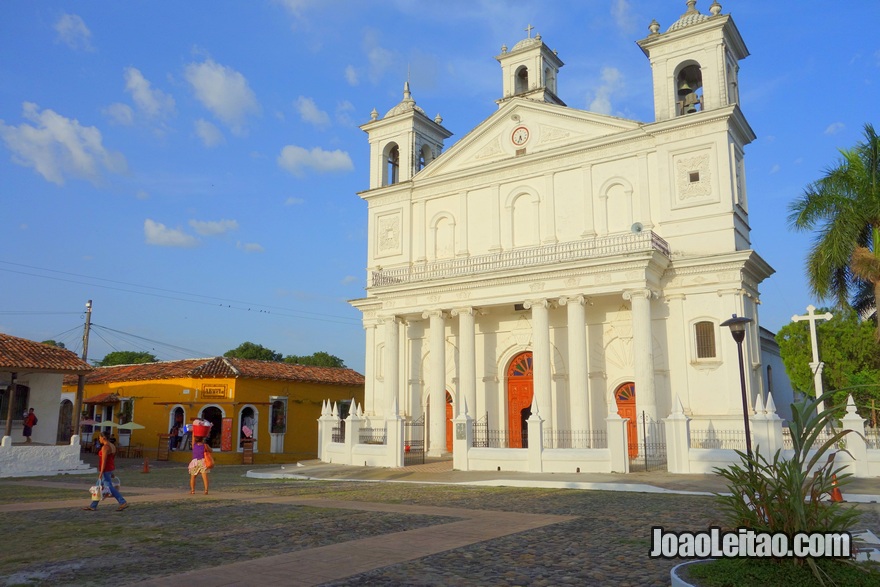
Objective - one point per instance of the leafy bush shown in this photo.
(786, 495)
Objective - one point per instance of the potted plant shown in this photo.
(787, 496)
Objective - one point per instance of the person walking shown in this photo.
(30, 420)
(107, 457)
(201, 464)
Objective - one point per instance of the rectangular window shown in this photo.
(705, 332)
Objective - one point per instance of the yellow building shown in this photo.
(274, 406)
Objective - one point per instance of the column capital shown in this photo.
(645, 293)
(434, 314)
(540, 303)
(579, 299)
(467, 311)
(389, 319)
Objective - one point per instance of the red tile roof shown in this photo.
(20, 354)
(223, 367)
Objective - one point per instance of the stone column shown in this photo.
(541, 356)
(467, 366)
(370, 370)
(392, 364)
(643, 352)
(577, 362)
(437, 382)
(462, 441)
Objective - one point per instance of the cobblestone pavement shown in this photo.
(339, 532)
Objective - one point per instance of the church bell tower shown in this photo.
(695, 63)
(402, 142)
(530, 70)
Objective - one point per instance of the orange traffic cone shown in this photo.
(835, 492)
(146, 465)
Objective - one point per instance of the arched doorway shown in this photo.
(248, 427)
(214, 415)
(520, 390)
(65, 422)
(449, 416)
(625, 396)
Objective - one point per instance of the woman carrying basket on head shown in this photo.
(201, 463)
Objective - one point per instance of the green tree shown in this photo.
(50, 342)
(319, 359)
(126, 358)
(844, 208)
(849, 351)
(250, 350)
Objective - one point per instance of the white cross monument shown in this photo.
(815, 366)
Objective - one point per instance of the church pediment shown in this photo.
(522, 128)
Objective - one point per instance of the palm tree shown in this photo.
(844, 208)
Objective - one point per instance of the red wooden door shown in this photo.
(449, 417)
(625, 395)
(520, 390)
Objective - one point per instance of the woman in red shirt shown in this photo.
(107, 457)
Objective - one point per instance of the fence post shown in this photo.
(857, 460)
(536, 441)
(678, 440)
(462, 441)
(617, 445)
(394, 439)
(774, 430)
(325, 429)
(352, 434)
(760, 428)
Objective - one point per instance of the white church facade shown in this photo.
(567, 264)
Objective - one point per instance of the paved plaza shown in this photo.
(320, 524)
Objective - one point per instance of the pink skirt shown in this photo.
(197, 466)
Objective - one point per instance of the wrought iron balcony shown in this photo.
(607, 246)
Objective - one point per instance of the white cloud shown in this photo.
(380, 59)
(120, 113)
(351, 75)
(297, 7)
(223, 91)
(834, 128)
(296, 160)
(209, 133)
(310, 113)
(294, 201)
(73, 32)
(160, 235)
(213, 228)
(152, 102)
(623, 15)
(142, 195)
(342, 112)
(58, 147)
(349, 279)
(250, 247)
(612, 82)
(775, 168)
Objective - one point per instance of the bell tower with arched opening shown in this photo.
(402, 142)
(530, 70)
(695, 62)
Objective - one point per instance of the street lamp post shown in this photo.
(737, 325)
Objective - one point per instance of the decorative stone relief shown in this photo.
(537, 286)
(388, 234)
(693, 177)
(490, 150)
(550, 134)
(572, 282)
(434, 298)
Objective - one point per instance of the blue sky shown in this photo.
(193, 167)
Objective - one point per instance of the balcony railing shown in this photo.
(527, 257)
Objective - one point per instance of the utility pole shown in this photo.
(81, 379)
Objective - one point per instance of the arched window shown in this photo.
(521, 80)
(705, 340)
(689, 90)
(425, 156)
(392, 164)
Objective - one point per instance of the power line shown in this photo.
(246, 306)
(189, 352)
